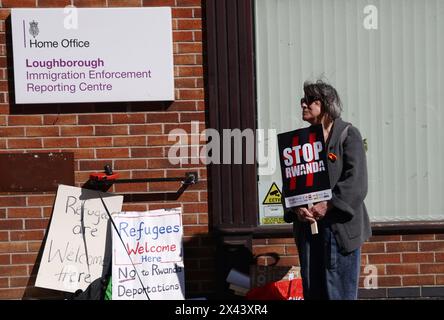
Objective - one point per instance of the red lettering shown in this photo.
(309, 181)
(140, 249)
(293, 179)
(131, 251)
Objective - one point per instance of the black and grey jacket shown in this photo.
(348, 219)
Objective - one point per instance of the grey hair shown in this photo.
(330, 101)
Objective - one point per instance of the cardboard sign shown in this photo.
(65, 55)
(148, 256)
(73, 259)
(304, 169)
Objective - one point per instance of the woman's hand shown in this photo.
(304, 214)
(320, 209)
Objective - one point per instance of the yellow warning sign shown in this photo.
(274, 195)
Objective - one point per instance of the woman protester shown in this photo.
(330, 260)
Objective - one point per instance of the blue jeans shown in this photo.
(327, 274)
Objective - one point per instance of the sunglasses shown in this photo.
(308, 100)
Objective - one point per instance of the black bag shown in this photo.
(95, 291)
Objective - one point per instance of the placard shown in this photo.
(92, 55)
(73, 259)
(148, 256)
(304, 168)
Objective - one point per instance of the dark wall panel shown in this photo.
(231, 105)
(35, 172)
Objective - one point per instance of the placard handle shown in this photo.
(313, 225)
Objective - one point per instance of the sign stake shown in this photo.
(313, 225)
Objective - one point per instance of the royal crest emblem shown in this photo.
(34, 28)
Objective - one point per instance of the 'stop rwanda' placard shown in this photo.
(92, 55)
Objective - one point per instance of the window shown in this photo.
(385, 60)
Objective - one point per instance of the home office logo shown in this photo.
(34, 28)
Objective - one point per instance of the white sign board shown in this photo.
(71, 259)
(148, 256)
(92, 55)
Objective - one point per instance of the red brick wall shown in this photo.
(401, 260)
(135, 143)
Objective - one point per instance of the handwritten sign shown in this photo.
(304, 166)
(75, 247)
(148, 256)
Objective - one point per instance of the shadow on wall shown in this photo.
(59, 108)
(231, 256)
